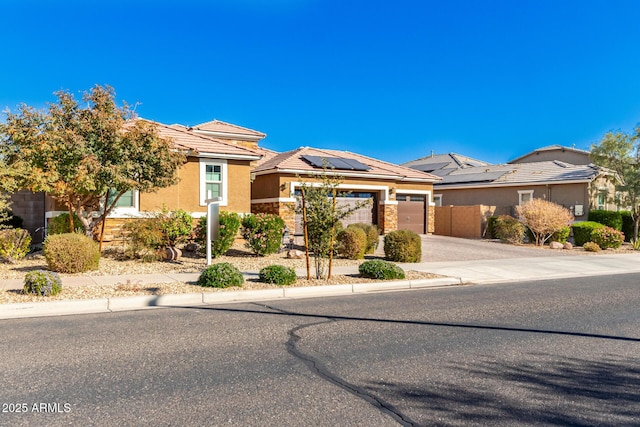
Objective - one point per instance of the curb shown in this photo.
(119, 304)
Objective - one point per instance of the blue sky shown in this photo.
(391, 80)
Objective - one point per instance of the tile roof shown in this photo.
(554, 147)
(292, 161)
(218, 126)
(525, 173)
(182, 138)
(444, 161)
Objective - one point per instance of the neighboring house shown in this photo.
(30, 207)
(569, 155)
(576, 187)
(400, 197)
(215, 167)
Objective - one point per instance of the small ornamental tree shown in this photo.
(543, 218)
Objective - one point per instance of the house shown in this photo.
(218, 164)
(569, 155)
(400, 197)
(579, 187)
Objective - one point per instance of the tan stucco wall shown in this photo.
(186, 193)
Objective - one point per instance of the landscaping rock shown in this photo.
(556, 245)
(295, 254)
(567, 246)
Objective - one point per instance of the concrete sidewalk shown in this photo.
(457, 272)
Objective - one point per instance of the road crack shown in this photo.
(318, 368)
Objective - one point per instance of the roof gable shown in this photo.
(228, 130)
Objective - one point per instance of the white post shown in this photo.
(213, 223)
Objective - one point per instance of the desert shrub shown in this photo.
(277, 275)
(229, 224)
(221, 275)
(627, 225)
(543, 218)
(176, 226)
(144, 237)
(591, 247)
(582, 231)
(635, 243)
(403, 246)
(607, 237)
(508, 229)
(611, 219)
(60, 224)
(561, 235)
(15, 244)
(372, 233)
(263, 233)
(352, 242)
(491, 227)
(71, 253)
(40, 282)
(10, 220)
(380, 270)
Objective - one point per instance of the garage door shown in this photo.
(365, 214)
(412, 212)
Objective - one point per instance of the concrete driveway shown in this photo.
(444, 248)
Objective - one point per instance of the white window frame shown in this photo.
(522, 193)
(437, 199)
(121, 211)
(203, 183)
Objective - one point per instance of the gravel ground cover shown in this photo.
(114, 263)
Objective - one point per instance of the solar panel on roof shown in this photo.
(336, 163)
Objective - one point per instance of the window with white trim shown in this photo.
(437, 199)
(126, 204)
(524, 196)
(213, 180)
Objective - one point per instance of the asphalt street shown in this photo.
(562, 352)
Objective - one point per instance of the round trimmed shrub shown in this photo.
(352, 242)
(582, 231)
(380, 270)
(221, 275)
(263, 233)
(403, 246)
(372, 233)
(591, 247)
(607, 237)
(508, 229)
(41, 282)
(71, 253)
(277, 275)
(60, 224)
(15, 244)
(228, 230)
(561, 235)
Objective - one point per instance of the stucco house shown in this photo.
(466, 182)
(400, 197)
(569, 155)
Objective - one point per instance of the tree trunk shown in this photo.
(333, 215)
(306, 234)
(72, 227)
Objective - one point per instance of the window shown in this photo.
(524, 196)
(602, 199)
(437, 199)
(126, 204)
(213, 181)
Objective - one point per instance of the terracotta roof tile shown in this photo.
(223, 127)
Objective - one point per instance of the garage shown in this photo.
(366, 214)
(412, 212)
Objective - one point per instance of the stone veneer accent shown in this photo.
(431, 217)
(387, 217)
(283, 209)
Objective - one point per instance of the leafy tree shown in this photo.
(620, 152)
(543, 218)
(86, 155)
(7, 185)
(321, 217)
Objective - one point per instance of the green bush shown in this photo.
(582, 231)
(561, 235)
(352, 242)
(263, 233)
(277, 275)
(627, 225)
(176, 226)
(611, 219)
(15, 244)
(40, 282)
(229, 224)
(380, 270)
(372, 233)
(607, 237)
(71, 253)
(60, 224)
(491, 227)
(591, 247)
(508, 229)
(403, 246)
(144, 238)
(221, 275)
(11, 220)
